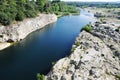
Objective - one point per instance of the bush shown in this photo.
(117, 76)
(77, 43)
(87, 28)
(72, 50)
(20, 15)
(40, 77)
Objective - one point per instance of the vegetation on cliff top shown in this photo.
(17, 10)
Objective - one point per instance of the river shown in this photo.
(35, 54)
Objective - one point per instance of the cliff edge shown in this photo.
(95, 56)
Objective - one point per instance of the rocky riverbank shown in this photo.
(95, 56)
(20, 30)
(106, 14)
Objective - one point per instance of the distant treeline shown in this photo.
(95, 4)
(17, 10)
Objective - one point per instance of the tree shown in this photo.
(41, 4)
(20, 15)
(5, 18)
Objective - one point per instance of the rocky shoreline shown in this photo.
(95, 56)
(105, 14)
(20, 30)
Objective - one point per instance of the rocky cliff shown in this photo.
(20, 30)
(94, 56)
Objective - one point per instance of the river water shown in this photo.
(35, 54)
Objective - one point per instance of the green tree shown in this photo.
(5, 18)
(41, 4)
(20, 15)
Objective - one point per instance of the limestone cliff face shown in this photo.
(20, 30)
(96, 56)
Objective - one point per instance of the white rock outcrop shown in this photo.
(96, 56)
(20, 30)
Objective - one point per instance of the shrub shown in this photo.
(40, 77)
(77, 43)
(72, 50)
(118, 76)
(87, 28)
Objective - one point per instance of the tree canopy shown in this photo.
(17, 10)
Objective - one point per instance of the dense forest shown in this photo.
(95, 4)
(17, 10)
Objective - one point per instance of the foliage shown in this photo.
(61, 8)
(77, 43)
(41, 4)
(72, 50)
(94, 4)
(40, 77)
(87, 28)
(30, 14)
(5, 18)
(20, 16)
(72, 9)
(101, 19)
(118, 76)
(11, 10)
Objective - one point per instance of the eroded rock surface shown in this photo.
(96, 56)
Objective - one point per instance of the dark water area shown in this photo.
(37, 51)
